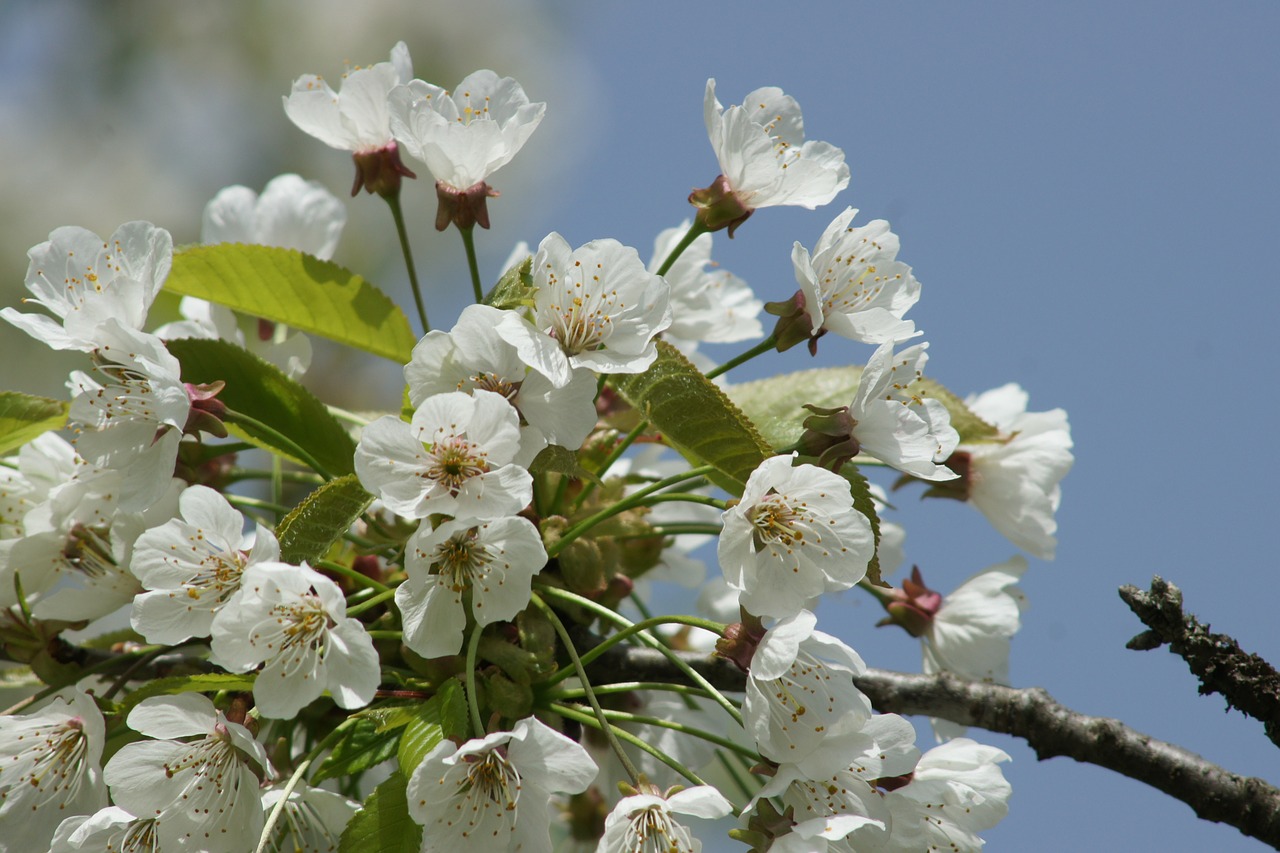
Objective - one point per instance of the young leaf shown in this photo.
(365, 745)
(383, 825)
(211, 682)
(515, 289)
(23, 417)
(863, 502)
(261, 391)
(421, 734)
(454, 716)
(695, 417)
(320, 520)
(300, 290)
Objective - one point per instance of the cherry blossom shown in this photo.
(645, 822)
(50, 768)
(764, 159)
(454, 457)
(596, 306)
(85, 281)
(794, 535)
(493, 793)
(312, 821)
(110, 829)
(202, 792)
(854, 285)
(293, 620)
(465, 566)
(473, 355)
(192, 566)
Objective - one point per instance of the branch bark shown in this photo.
(1249, 683)
(1249, 804)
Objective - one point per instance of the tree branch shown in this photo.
(1250, 805)
(1249, 683)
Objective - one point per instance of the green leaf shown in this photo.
(211, 682)
(455, 718)
(300, 290)
(310, 530)
(421, 734)
(775, 405)
(24, 417)
(554, 459)
(515, 289)
(865, 504)
(261, 391)
(695, 417)
(365, 745)
(383, 825)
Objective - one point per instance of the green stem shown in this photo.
(685, 497)
(385, 635)
(632, 500)
(264, 840)
(710, 737)
(586, 686)
(369, 603)
(348, 572)
(350, 417)
(571, 713)
(676, 661)
(762, 347)
(634, 629)
(623, 687)
(468, 241)
(240, 474)
(473, 700)
(278, 438)
(676, 528)
(730, 765)
(696, 230)
(398, 215)
(614, 455)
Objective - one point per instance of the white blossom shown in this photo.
(801, 704)
(202, 792)
(356, 117)
(293, 620)
(312, 821)
(454, 457)
(192, 566)
(473, 355)
(111, 829)
(484, 568)
(291, 213)
(1014, 481)
(466, 136)
(794, 535)
(763, 153)
(644, 823)
(898, 425)
(854, 285)
(492, 793)
(708, 304)
(596, 306)
(50, 769)
(85, 281)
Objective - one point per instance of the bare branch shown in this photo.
(1250, 805)
(1248, 682)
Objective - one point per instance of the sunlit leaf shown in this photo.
(24, 417)
(383, 825)
(310, 530)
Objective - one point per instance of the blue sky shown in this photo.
(1087, 192)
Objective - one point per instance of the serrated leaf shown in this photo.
(261, 391)
(515, 289)
(302, 291)
(696, 417)
(865, 504)
(321, 519)
(421, 734)
(383, 825)
(24, 417)
(455, 718)
(210, 682)
(365, 745)
(554, 459)
(776, 405)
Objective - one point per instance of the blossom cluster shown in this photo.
(418, 614)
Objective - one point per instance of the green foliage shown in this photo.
(383, 825)
(515, 289)
(310, 530)
(422, 732)
(261, 391)
(24, 417)
(302, 291)
(554, 459)
(211, 682)
(366, 744)
(863, 502)
(695, 417)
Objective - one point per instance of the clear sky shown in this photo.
(1087, 191)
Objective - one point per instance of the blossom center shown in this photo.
(651, 830)
(460, 559)
(454, 461)
(776, 522)
(581, 316)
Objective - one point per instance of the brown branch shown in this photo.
(1250, 805)
(1248, 682)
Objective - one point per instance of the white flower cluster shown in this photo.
(469, 514)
